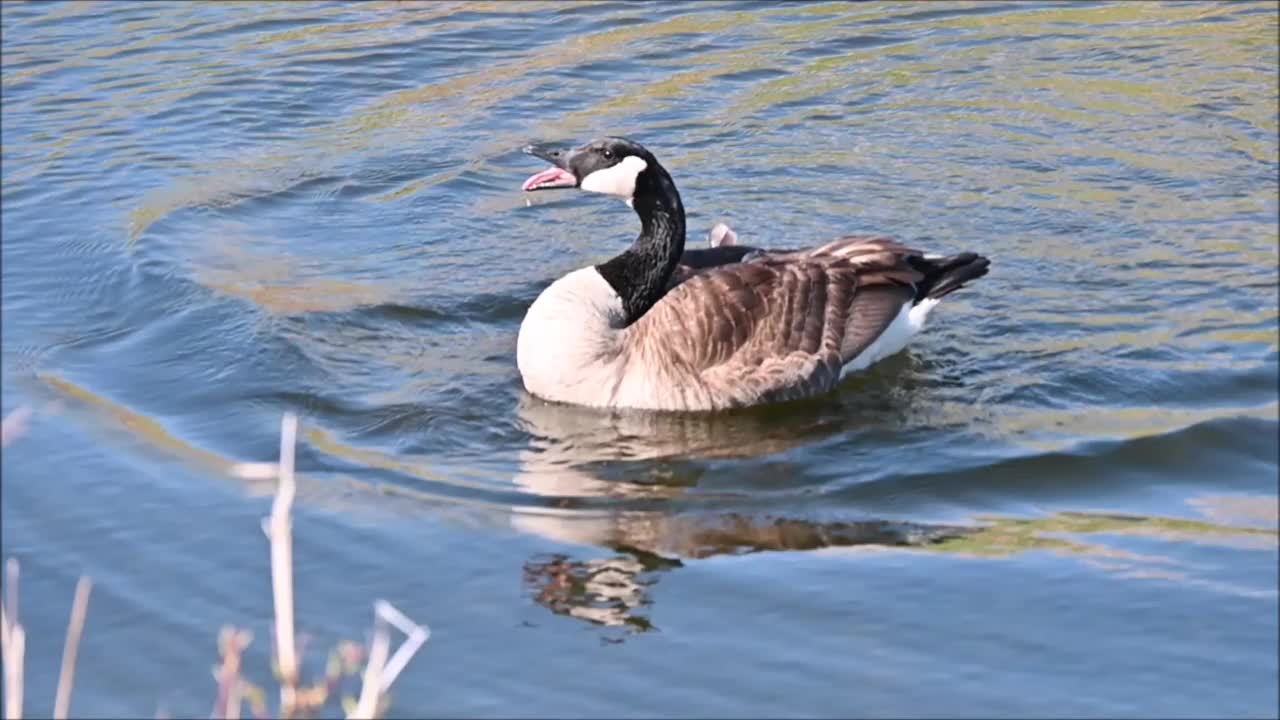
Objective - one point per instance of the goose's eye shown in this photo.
(607, 153)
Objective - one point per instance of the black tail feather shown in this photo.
(945, 275)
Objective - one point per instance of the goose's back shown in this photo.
(777, 326)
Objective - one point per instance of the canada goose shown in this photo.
(738, 326)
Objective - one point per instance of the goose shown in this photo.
(658, 327)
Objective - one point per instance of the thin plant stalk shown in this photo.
(13, 680)
(234, 692)
(11, 597)
(14, 645)
(371, 691)
(281, 537)
(67, 676)
(380, 672)
(232, 644)
(4, 627)
(415, 636)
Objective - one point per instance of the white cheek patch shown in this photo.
(619, 179)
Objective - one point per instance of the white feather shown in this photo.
(618, 179)
(721, 234)
(910, 320)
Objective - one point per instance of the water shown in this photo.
(1061, 501)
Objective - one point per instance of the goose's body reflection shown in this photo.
(626, 482)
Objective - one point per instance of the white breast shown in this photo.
(569, 345)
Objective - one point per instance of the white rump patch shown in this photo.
(910, 320)
(618, 179)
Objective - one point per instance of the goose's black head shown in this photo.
(610, 165)
(623, 168)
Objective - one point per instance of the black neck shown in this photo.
(640, 273)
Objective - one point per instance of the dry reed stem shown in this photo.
(14, 645)
(67, 675)
(380, 672)
(4, 626)
(415, 636)
(233, 700)
(13, 660)
(282, 566)
(232, 644)
(11, 597)
(371, 691)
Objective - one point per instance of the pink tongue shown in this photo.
(550, 175)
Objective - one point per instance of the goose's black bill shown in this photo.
(556, 176)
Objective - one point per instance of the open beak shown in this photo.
(556, 176)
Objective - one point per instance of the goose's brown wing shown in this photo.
(778, 324)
